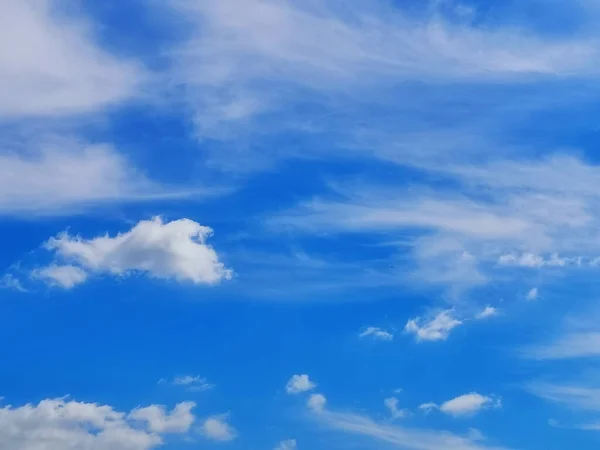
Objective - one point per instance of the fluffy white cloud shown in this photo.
(58, 68)
(377, 333)
(316, 402)
(66, 276)
(290, 444)
(299, 383)
(158, 420)
(392, 405)
(469, 404)
(434, 329)
(217, 428)
(59, 424)
(488, 311)
(174, 249)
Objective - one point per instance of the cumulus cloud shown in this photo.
(299, 383)
(469, 404)
(176, 250)
(436, 328)
(158, 420)
(61, 424)
(377, 334)
(66, 276)
(316, 402)
(217, 428)
(289, 444)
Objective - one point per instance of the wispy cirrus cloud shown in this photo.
(322, 47)
(193, 383)
(376, 334)
(396, 436)
(59, 69)
(574, 394)
(66, 176)
(459, 237)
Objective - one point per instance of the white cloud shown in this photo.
(533, 294)
(536, 261)
(60, 424)
(428, 407)
(377, 333)
(158, 420)
(174, 249)
(58, 68)
(469, 404)
(193, 383)
(65, 176)
(574, 395)
(392, 405)
(322, 47)
(299, 383)
(289, 444)
(436, 328)
(65, 277)
(217, 428)
(401, 437)
(488, 311)
(526, 220)
(316, 402)
(572, 344)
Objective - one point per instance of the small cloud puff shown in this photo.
(299, 383)
(290, 444)
(217, 428)
(488, 311)
(533, 294)
(316, 402)
(464, 405)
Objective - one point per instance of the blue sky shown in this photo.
(271, 224)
